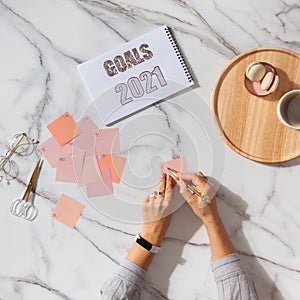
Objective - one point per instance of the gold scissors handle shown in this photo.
(22, 207)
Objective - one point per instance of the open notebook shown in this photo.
(135, 75)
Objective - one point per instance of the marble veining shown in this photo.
(41, 44)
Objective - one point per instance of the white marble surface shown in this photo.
(41, 44)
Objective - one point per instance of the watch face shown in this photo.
(143, 243)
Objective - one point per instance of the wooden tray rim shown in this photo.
(213, 101)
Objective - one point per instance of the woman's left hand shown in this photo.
(157, 211)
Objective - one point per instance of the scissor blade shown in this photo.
(31, 186)
(35, 174)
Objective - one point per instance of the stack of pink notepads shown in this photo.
(84, 154)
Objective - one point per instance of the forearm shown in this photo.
(128, 279)
(140, 256)
(219, 240)
(157, 217)
(154, 234)
(232, 281)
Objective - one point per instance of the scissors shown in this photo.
(24, 207)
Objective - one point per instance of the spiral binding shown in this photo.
(179, 55)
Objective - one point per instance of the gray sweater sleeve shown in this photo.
(233, 283)
(126, 283)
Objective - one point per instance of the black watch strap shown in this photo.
(147, 245)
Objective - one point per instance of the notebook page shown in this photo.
(135, 75)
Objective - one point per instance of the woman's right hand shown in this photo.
(201, 183)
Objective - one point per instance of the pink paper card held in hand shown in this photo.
(67, 210)
(176, 164)
(63, 129)
(50, 150)
(108, 141)
(115, 163)
(102, 187)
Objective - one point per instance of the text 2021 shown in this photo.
(136, 87)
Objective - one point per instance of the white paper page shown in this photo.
(154, 70)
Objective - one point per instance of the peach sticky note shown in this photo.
(63, 129)
(101, 187)
(67, 210)
(108, 141)
(176, 164)
(50, 149)
(113, 162)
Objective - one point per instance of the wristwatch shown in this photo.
(147, 245)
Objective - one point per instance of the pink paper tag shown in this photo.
(91, 172)
(50, 150)
(101, 187)
(108, 141)
(88, 134)
(63, 129)
(115, 163)
(176, 164)
(67, 210)
(70, 165)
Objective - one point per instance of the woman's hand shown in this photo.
(218, 238)
(201, 184)
(157, 211)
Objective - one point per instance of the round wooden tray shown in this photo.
(248, 123)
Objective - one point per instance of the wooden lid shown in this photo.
(249, 123)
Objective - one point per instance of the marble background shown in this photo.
(42, 42)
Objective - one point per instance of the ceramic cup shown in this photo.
(288, 109)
